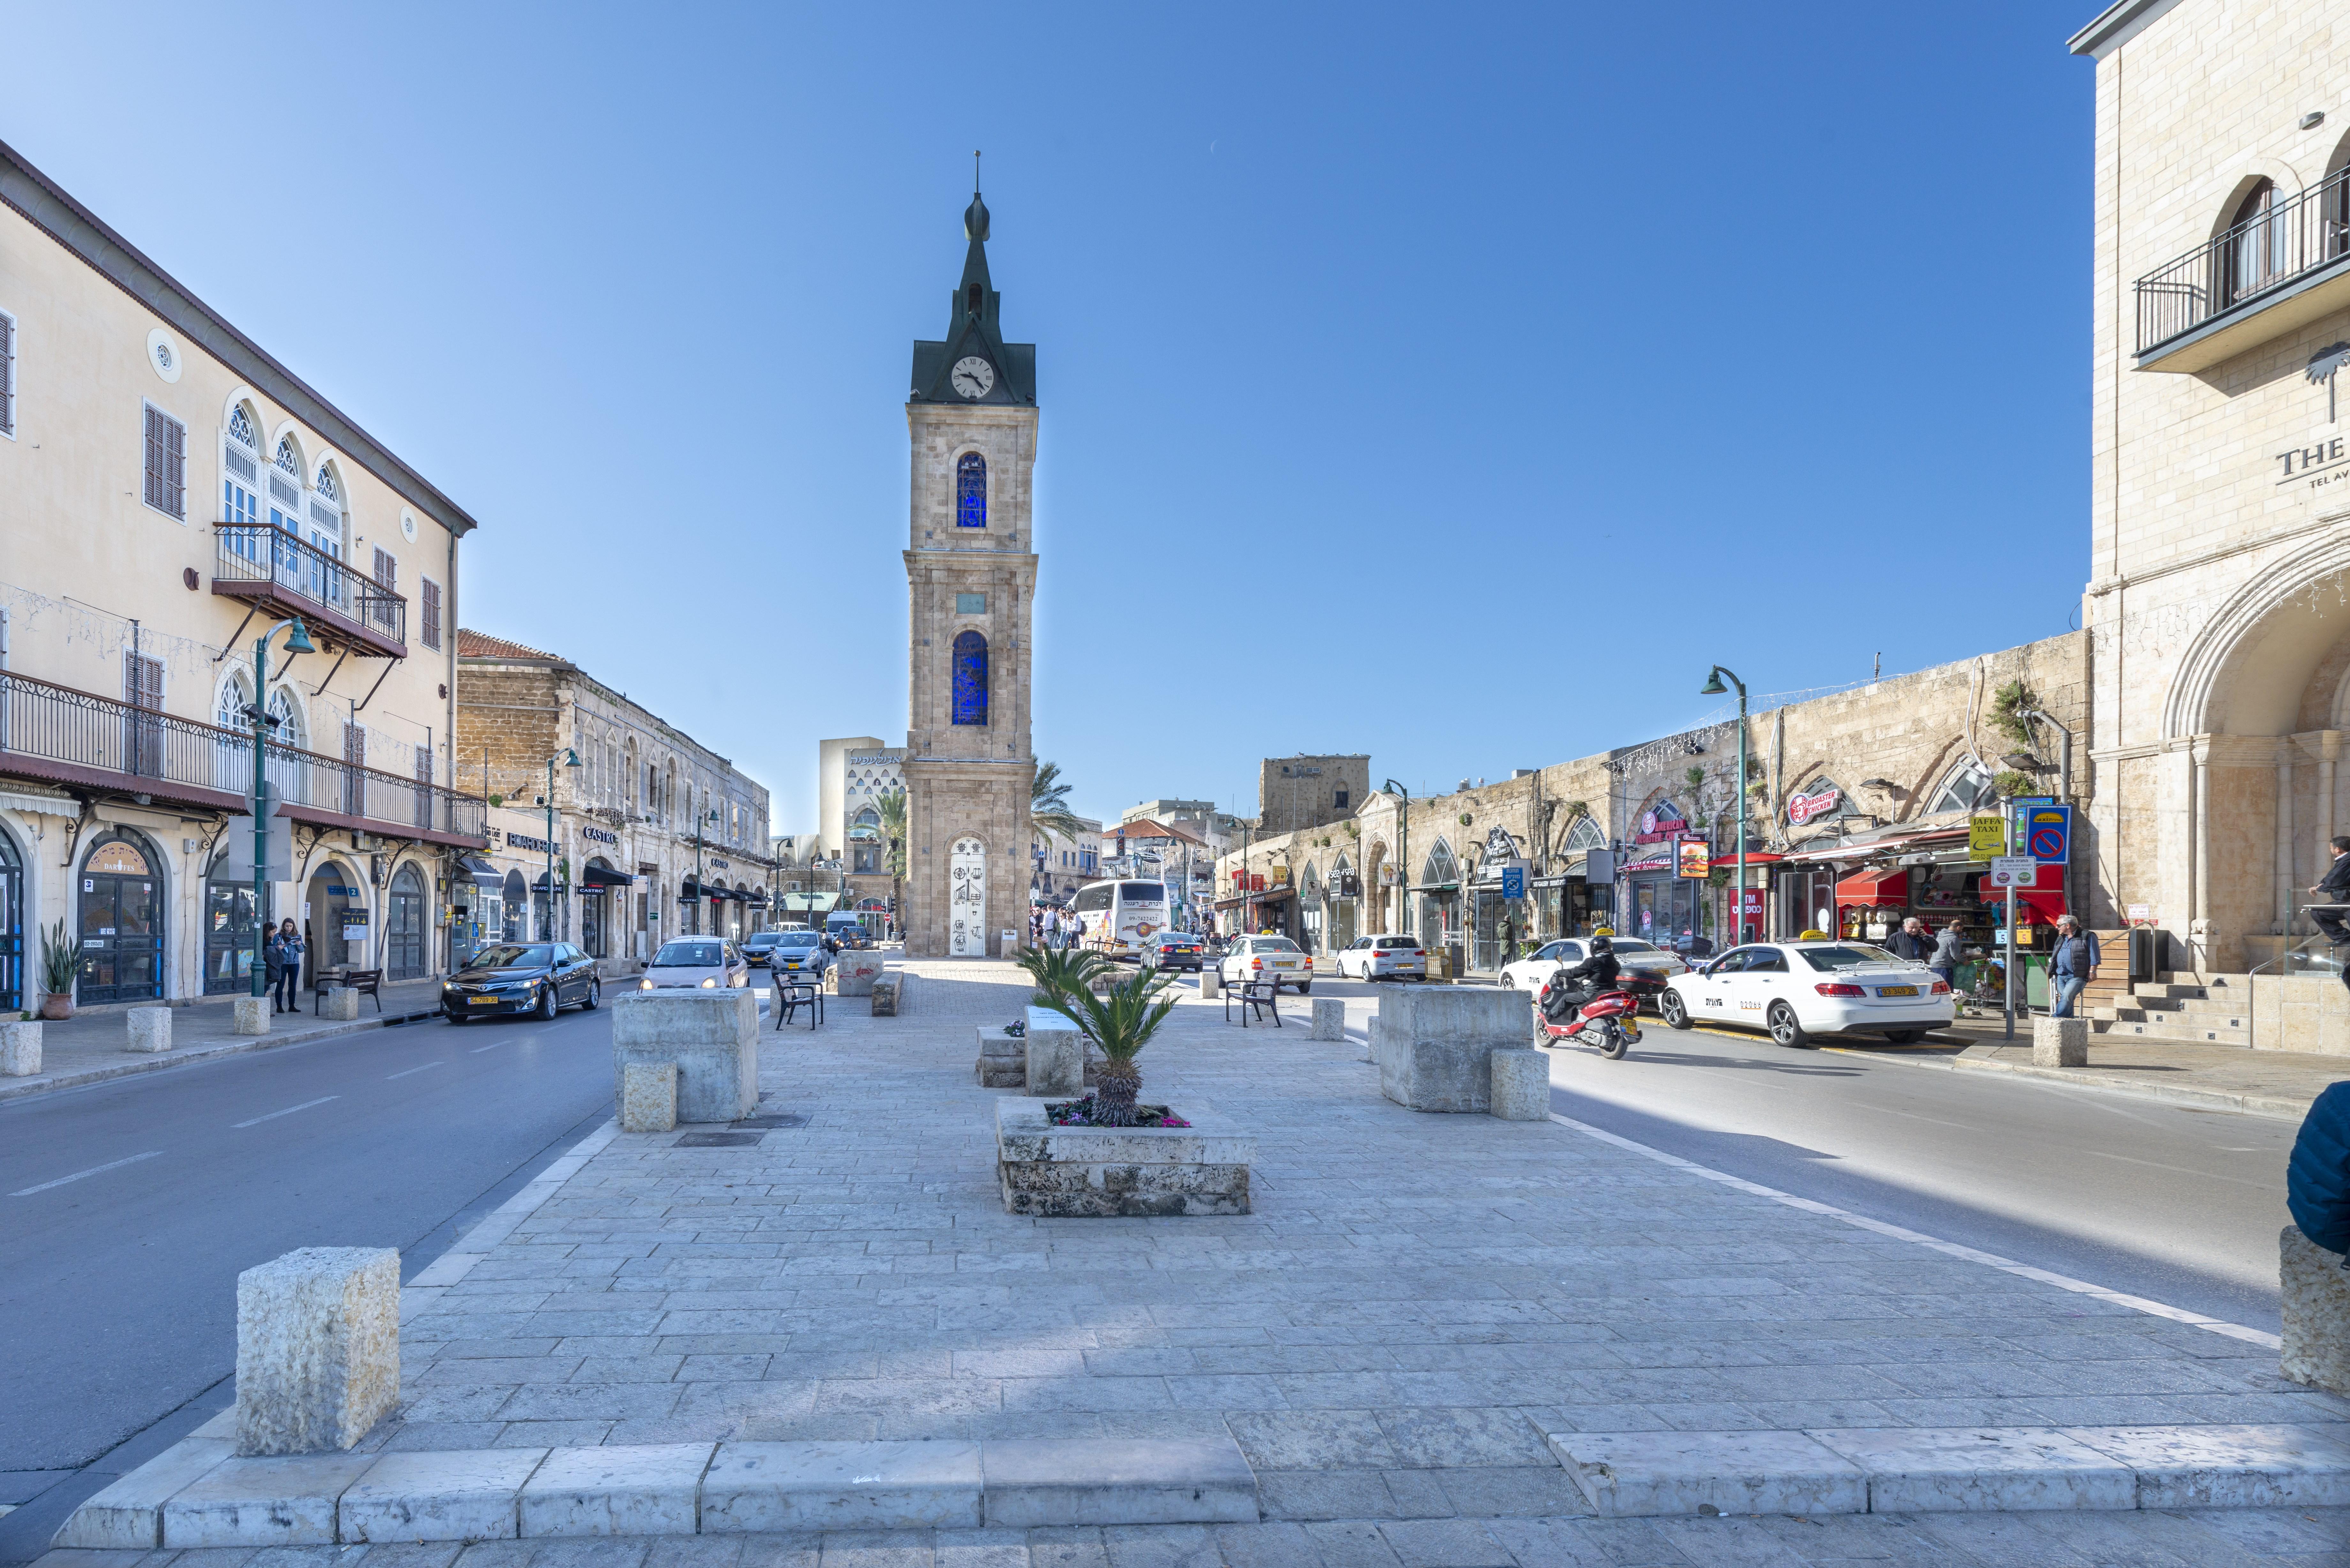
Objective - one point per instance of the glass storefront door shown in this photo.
(228, 935)
(1670, 911)
(403, 926)
(120, 905)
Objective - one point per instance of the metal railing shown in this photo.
(59, 724)
(2294, 237)
(2299, 959)
(299, 570)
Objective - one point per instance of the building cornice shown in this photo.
(2116, 26)
(41, 202)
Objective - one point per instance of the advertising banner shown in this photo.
(1693, 857)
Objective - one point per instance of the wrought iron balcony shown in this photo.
(2259, 279)
(76, 738)
(286, 576)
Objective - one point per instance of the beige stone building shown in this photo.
(2219, 576)
(654, 834)
(1303, 792)
(169, 492)
(971, 575)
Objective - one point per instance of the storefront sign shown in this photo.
(1986, 837)
(1514, 882)
(2012, 871)
(524, 841)
(1694, 858)
(1657, 829)
(716, 864)
(1803, 808)
(601, 836)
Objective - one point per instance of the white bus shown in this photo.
(1115, 917)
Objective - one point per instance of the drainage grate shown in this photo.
(779, 1120)
(719, 1140)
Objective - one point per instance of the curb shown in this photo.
(188, 1056)
(2221, 1099)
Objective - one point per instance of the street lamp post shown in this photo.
(700, 894)
(569, 759)
(1403, 859)
(1714, 688)
(259, 713)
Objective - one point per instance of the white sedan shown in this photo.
(1383, 957)
(1797, 990)
(1276, 958)
(1644, 959)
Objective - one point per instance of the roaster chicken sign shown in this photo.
(1801, 808)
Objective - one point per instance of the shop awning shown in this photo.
(690, 892)
(1753, 857)
(809, 902)
(757, 900)
(605, 876)
(1887, 886)
(481, 873)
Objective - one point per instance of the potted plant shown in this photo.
(1120, 1023)
(1061, 971)
(59, 964)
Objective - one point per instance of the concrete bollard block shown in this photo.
(712, 1037)
(889, 994)
(1434, 1041)
(854, 973)
(339, 1005)
(1057, 1055)
(1521, 1085)
(20, 1049)
(2316, 1303)
(1329, 1019)
(317, 1349)
(649, 1096)
(251, 1016)
(1211, 983)
(2060, 1042)
(149, 1031)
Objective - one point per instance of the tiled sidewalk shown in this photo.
(2271, 1083)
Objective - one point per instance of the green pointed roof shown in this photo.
(973, 330)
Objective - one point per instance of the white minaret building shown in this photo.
(970, 580)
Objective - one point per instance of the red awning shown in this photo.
(1753, 857)
(1876, 888)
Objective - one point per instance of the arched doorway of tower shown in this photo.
(967, 900)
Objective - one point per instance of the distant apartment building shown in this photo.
(1062, 866)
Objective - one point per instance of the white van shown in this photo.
(1115, 917)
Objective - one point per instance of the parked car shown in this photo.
(542, 977)
(1797, 990)
(1643, 958)
(1174, 949)
(1276, 958)
(758, 945)
(709, 963)
(1386, 957)
(800, 952)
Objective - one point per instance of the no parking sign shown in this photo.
(2045, 833)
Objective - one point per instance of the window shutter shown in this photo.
(142, 681)
(154, 465)
(167, 463)
(355, 745)
(7, 375)
(427, 607)
(423, 765)
(386, 570)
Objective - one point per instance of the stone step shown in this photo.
(1895, 1469)
(195, 1493)
(2171, 1029)
(2159, 989)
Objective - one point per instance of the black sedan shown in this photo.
(541, 978)
(1173, 949)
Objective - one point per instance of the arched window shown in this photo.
(1585, 834)
(1439, 867)
(1965, 787)
(289, 729)
(228, 710)
(865, 842)
(288, 458)
(970, 679)
(285, 486)
(241, 481)
(325, 532)
(971, 491)
(2258, 252)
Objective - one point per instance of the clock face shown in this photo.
(972, 375)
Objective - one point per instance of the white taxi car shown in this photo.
(1797, 990)
(1646, 960)
(1276, 958)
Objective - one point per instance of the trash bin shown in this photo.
(2145, 953)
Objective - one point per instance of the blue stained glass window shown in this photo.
(971, 679)
(971, 493)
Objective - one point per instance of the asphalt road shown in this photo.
(2176, 1203)
(128, 1208)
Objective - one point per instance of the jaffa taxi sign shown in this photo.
(1693, 857)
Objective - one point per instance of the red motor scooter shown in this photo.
(1608, 1024)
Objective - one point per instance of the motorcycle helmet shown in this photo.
(1602, 944)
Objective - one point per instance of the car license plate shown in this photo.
(1897, 990)
(482, 1000)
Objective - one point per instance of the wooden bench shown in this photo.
(1255, 996)
(368, 982)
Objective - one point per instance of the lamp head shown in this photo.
(300, 641)
(1713, 686)
(570, 758)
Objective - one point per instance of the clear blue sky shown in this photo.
(1454, 384)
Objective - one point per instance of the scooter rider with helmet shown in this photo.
(1573, 990)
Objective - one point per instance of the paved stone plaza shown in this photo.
(1415, 1299)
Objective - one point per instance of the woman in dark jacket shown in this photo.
(283, 954)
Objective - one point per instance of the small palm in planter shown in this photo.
(60, 963)
(1062, 972)
(1122, 1022)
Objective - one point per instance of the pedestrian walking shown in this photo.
(2335, 887)
(2074, 965)
(283, 957)
(1945, 961)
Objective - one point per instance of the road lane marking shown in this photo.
(490, 1046)
(1948, 1249)
(1887, 1110)
(93, 1171)
(2199, 1175)
(288, 1111)
(427, 1067)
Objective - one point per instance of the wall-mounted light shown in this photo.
(2312, 119)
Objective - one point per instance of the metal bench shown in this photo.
(791, 995)
(1254, 996)
(368, 982)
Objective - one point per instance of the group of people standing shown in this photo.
(2071, 966)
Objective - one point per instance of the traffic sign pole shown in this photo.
(2011, 960)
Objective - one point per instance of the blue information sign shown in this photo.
(1513, 881)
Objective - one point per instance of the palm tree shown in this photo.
(891, 805)
(1122, 1022)
(1049, 805)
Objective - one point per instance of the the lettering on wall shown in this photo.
(2326, 464)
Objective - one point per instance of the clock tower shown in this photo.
(971, 583)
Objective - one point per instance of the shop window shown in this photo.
(971, 491)
(1966, 787)
(970, 679)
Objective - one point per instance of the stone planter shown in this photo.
(1120, 1172)
(57, 1006)
(1003, 1058)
